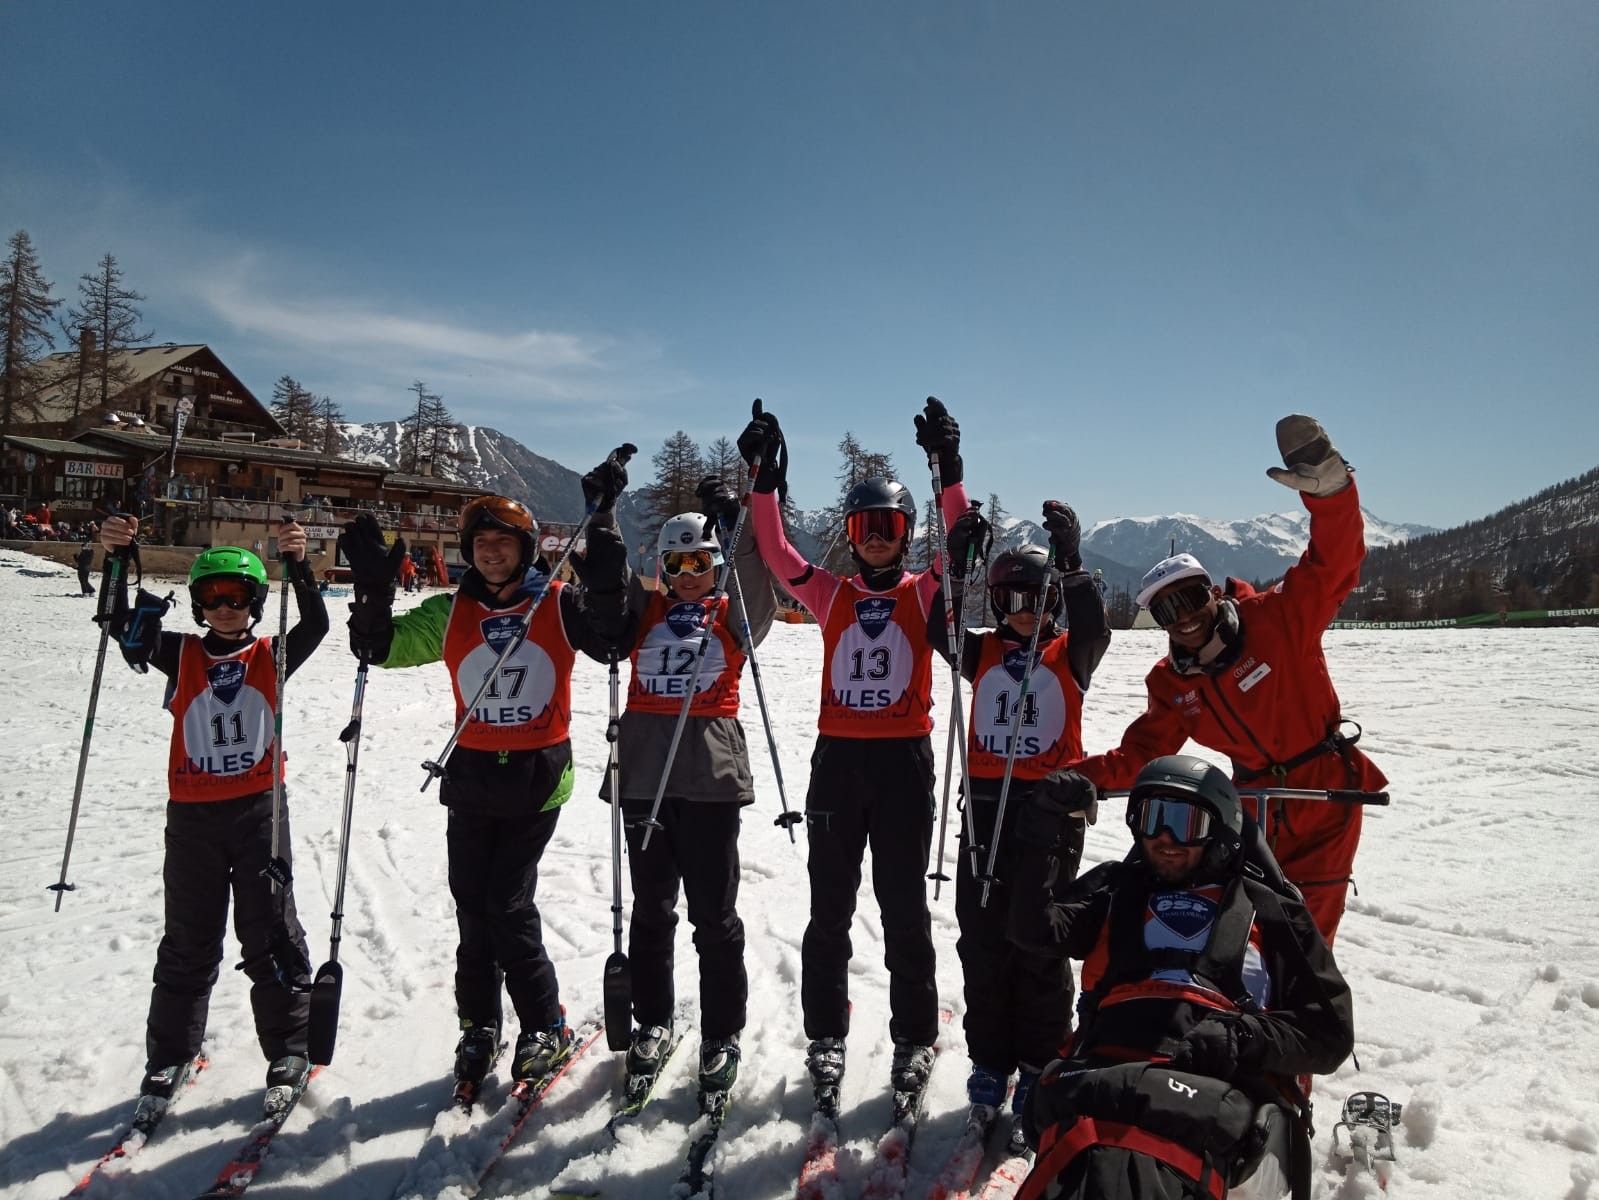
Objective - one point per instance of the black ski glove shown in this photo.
(969, 540)
(374, 565)
(1065, 535)
(602, 567)
(938, 433)
(762, 440)
(1220, 1047)
(283, 961)
(718, 501)
(1057, 800)
(604, 483)
(138, 629)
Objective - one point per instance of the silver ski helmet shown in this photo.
(689, 531)
(1186, 777)
(1020, 569)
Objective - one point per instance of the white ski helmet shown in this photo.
(689, 531)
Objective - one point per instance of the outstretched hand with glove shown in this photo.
(374, 567)
(969, 540)
(1065, 535)
(1311, 464)
(1058, 799)
(762, 446)
(718, 501)
(604, 483)
(939, 435)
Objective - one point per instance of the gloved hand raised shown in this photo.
(1313, 465)
(374, 565)
(1056, 800)
(969, 540)
(718, 501)
(604, 483)
(1065, 535)
(762, 442)
(940, 436)
(1221, 1047)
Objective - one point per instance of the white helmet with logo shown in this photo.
(689, 531)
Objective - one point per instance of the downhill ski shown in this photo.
(246, 1162)
(885, 1179)
(146, 1119)
(965, 1161)
(528, 1094)
(1006, 1180)
(698, 1177)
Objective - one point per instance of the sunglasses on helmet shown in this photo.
(687, 562)
(1010, 599)
(1172, 607)
(1188, 823)
(497, 510)
(885, 524)
(224, 593)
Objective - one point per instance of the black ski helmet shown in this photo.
(500, 512)
(1197, 781)
(1023, 567)
(878, 492)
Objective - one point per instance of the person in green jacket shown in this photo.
(511, 769)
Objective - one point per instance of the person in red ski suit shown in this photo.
(1246, 676)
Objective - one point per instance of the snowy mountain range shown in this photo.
(1259, 548)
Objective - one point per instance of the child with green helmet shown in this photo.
(222, 693)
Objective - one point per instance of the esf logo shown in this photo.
(686, 619)
(498, 630)
(873, 614)
(225, 679)
(1015, 663)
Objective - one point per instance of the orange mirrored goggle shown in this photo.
(224, 593)
(497, 510)
(887, 524)
(687, 562)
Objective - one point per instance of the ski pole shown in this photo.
(111, 578)
(789, 818)
(952, 632)
(329, 983)
(435, 766)
(277, 868)
(957, 599)
(617, 986)
(1330, 795)
(652, 822)
(1051, 577)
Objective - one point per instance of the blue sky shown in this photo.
(1118, 240)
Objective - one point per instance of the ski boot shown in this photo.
(155, 1094)
(539, 1052)
(908, 1076)
(1026, 1077)
(474, 1054)
(285, 1080)
(824, 1059)
(646, 1055)
(985, 1091)
(719, 1058)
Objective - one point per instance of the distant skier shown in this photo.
(1206, 991)
(83, 560)
(221, 693)
(1018, 1004)
(1246, 676)
(710, 782)
(872, 770)
(511, 770)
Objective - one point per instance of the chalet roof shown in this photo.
(229, 451)
(54, 446)
(136, 366)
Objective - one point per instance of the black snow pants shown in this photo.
(214, 848)
(877, 792)
(1018, 1004)
(494, 869)
(697, 845)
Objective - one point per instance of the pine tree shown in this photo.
(329, 423)
(26, 307)
(723, 460)
(858, 464)
(679, 467)
(110, 312)
(294, 408)
(427, 436)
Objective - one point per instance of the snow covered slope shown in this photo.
(1471, 946)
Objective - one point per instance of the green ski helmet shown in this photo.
(230, 562)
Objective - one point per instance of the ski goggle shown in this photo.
(687, 562)
(224, 593)
(1188, 823)
(886, 524)
(497, 510)
(1172, 607)
(1010, 600)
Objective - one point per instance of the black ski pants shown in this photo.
(213, 849)
(875, 792)
(494, 870)
(697, 845)
(1018, 1004)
